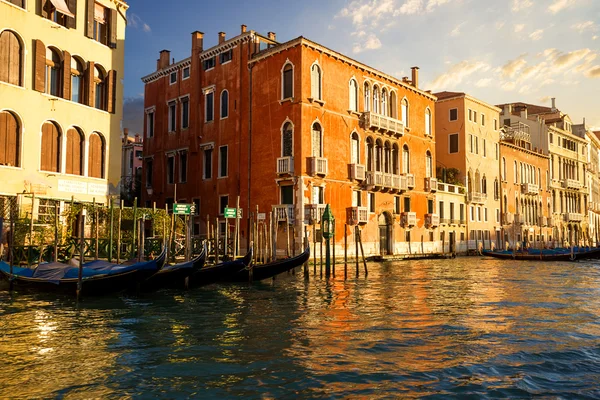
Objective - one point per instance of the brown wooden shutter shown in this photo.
(49, 147)
(4, 133)
(72, 22)
(89, 84)
(89, 27)
(69, 151)
(12, 150)
(112, 42)
(4, 55)
(95, 157)
(43, 8)
(111, 91)
(15, 60)
(66, 75)
(39, 79)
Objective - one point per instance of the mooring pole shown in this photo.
(345, 250)
(81, 254)
(55, 232)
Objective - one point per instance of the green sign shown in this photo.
(185, 209)
(231, 213)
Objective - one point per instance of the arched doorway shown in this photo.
(386, 243)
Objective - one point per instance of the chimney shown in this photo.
(507, 110)
(137, 138)
(126, 132)
(197, 42)
(163, 61)
(244, 28)
(524, 112)
(554, 104)
(415, 77)
(221, 37)
(272, 36)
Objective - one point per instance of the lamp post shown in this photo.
(327, 226)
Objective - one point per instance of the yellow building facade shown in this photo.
(61, 64)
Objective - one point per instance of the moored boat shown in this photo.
(269, 270)
(220, 272)
(560, 254)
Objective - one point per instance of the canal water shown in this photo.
(439, 328)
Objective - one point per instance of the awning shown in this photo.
(99, 13)
(61, 7)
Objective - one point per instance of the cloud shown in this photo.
(519, 27)
(593, 72)
(134, 21)
(510, 69)
(518, 5)
(567, 60)
(484, 82)
(456, 31)
(370, 42)
(508, 86)
(500, 24)
(367, 12)
(536, 35)
(560, 5)
(432, 4)
(457, 73)
(581, 27)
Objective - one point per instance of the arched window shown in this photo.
(317, 140)
(99, 88)
(11, 58)
(504, 169)
(10, 140)
(53, 72)
(50, 154)
(315, 82)
(74, 152)
(387, 158)
(404, 107)
(505, 204)
(96, 151)
(484, 185)
(287, 81)
(428, 121)
(393, 106)
(496, 189)
(354, 148)
(428, 165)
(367, 97)
(405, 160)
(375, 99)
(353, 106)
(384, 102)
(477, 182)
(395, 163)
(516, 172)
(76, 80)
(224, 104)
(378, 155)
(287, 140)
(370, 155)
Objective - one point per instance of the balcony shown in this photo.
(383, 124)
(313, 213)
(571, 184)
(285, 166)
(517, 131)
(431, 185)
(477, 197)
(410, 181)
(549, 222)
(542, 221)
(572, 217)
(530, 188)
(284, 212)
(448, 188)
(507, 218)
(387, 181)
(399, 183)
(317, 166)
(432, 220)
(519, 219)
(408, 219)
(357, 215)
(357, 172)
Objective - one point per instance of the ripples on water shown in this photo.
(411, 329)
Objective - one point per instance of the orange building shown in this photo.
(300, 126)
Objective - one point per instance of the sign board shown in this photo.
(261, 216)
(229, 213)
(181, 208)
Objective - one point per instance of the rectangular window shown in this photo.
(451, 212)
(139, 154)
(318, 195)
(441, 209)
(149, 173)
(471, 145)
(462, 213)
(475, 116)
(476, 145)
(472, 209)
(185, 73)
(482, 120)
(497, 215)
(453, 143)
(208, 64)
(485, 215)
(454, 114)
(407, 236)
(183, 167)
(208, 163)
(222, 161)
(223, 203)
(407, 204)
(507, 121)
(172, 116)
(372, 202)
(396, 205)
(101, 23)
(479, 214)
(356, 198)
(150, 124)
(226, 56)
(483, 145)
(185, 113)
(430, 206)
(495, 124)
(170, 169)
(497, 151)
(470, 115)
(173, 78)
(209, 100)
(196, 206)
(287, 194)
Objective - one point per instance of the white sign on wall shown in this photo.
(97, 188)
(78, 187)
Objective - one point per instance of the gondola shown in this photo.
(561, 254)
(269, 270)
(220, 272)
(57, 276)
(174, 275)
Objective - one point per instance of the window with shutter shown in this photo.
(185, 113)
(58, 11)
(99, 88)
(355, 149)
(375, 99)
(100, 24)
(315, 79)
(96, 156)
(222, 161)
(74, 152)
(353, 106)
(288, 82)
(10, 140)
(18, 3)
(77, 88)
(404, 107)
(405, 160)
(367, 93)
(11, 58)
(53, 74)
(50, 154)
(317, 149)
(224, 104)
(209, 106)
(287, 140)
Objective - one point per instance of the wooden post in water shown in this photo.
(422, 246)
(81, 254)
(55, 232)
(142, 235)
(314, 249)
(236, 243)
(119, 232)
(305, 241)
(217, 240)
(275, 229)
(443, 242)
(111, 231)
(356, 248)
(208, 235)
(362, 252)
(134, 237)
(287, 233)
(345, 251)
(188, 238)
(96, 229)
(226, 245)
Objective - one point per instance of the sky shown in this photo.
(496, 50)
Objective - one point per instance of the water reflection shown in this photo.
(410, 329)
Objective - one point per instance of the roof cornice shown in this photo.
(473, 99)
(226, 45)
(166, 71)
